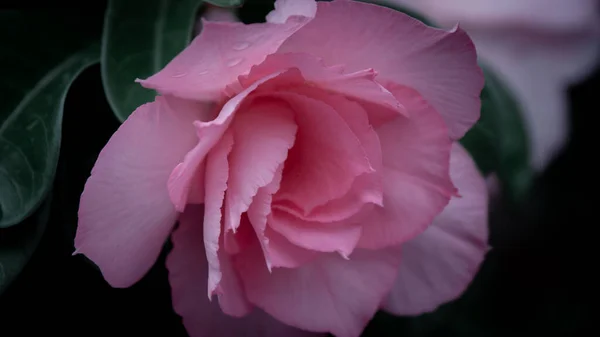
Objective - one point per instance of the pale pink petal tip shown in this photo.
(286, 8)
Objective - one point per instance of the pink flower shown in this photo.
(311, 164)
(539, 47)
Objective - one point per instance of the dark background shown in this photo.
(537, 280)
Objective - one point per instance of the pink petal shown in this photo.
(260, 208)
(286, 8)
(282, 253)
(416, 180)
(340, 237)
(278, 251)
(185, 175)
(188, 272)
(207, 112)
(439, 264)
(222, 52)
(359, 86)
(125, 213)
(263, 135)
(330, 294)
(320, 168)
(366, 188)
(217, 173)
(441, 65)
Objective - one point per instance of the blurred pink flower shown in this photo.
(538, 46)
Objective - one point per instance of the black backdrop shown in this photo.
(537, 281)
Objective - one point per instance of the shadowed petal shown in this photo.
(188, 273)
(440, 263)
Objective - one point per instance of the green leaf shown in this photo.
(498, 142)
(17, 244)
(37, 54)
(226, 3)
(140, 37)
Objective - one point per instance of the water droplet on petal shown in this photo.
(241, 45)
(234, 62)
(203, 72)
(177, 75)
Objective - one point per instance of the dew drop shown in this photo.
(177, 75)
(203, 72)
(234, 62)
(241, 45)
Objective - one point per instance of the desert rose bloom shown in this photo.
(539, 47)
(311, 164)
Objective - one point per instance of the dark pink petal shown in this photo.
(320, 168)
(286, 8)
(366, 188)
(188, 273)
(329, 294)
(355, 116)
(125, 214)
(185, 175)
(222, 52)
(441, 65)
(263, 134)
(189, 252)
(439, 264)
(235, 242)
(217, 174)
(416, 178)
